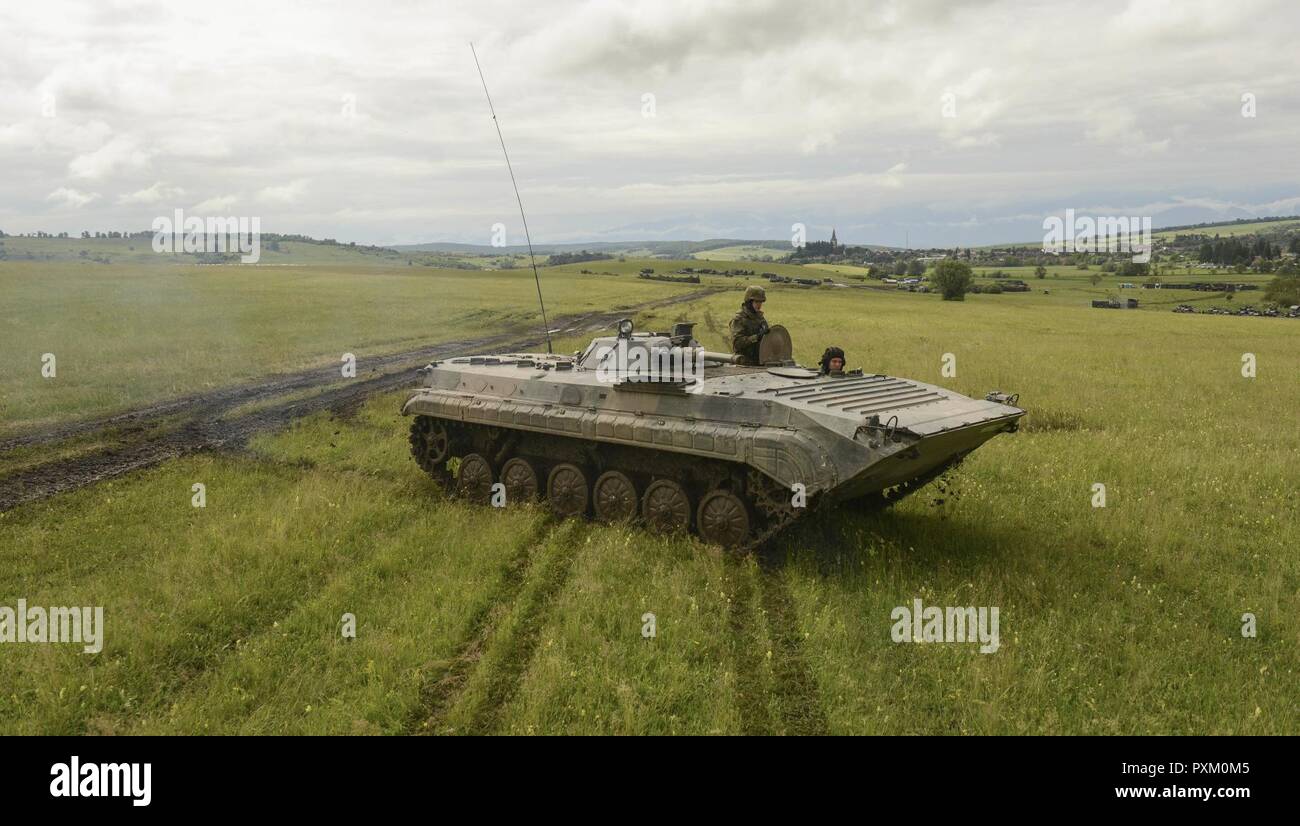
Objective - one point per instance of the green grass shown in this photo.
(1124, 619)
(1226, 230)
(1068, 286)
(741, 252)
(124, 336)
(842, 269)
(204, 607)
(138, 252)
(590, 670)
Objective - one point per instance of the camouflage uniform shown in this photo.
(747, 327)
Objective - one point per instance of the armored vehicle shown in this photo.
(735, 453)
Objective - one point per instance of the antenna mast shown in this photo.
(546, 327)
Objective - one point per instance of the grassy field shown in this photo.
(1122, 619)
(1226, 230)
(133, 332)
(124, 335)
(1070, 286)
(139, 252)
(129, 333)
(842, 269)
(741, 252)
(1222, 230)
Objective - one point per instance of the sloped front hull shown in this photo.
(928, 455)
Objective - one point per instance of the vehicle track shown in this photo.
(440, 691)
(507, 672)
(746, 641)
(798, 699)
(202, 428)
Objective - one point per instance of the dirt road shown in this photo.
(199, 422)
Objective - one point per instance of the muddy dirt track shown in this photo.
(195, 423)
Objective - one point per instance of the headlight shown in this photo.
(625, 328)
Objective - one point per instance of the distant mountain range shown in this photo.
(654, 247)
(684, 249)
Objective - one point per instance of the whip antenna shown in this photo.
(546, 327)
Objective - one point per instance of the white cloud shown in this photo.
(284, 194)
(121, 152)
(1117, 126)
(191, 144)
(801, 108)
(155, 194)
(1183, 21)
(973, 141)
(219, 203)
(71, 198)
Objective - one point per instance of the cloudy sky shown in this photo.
(936, 122)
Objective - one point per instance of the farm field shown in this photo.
(139, 252)
(1073, 287)
(740, 252)
(842, 269)
(124, 336)
(1122, 619)
(1223, 230)
(1226, 230)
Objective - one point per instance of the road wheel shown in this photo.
(614, 497)
(520, 480)
(723, 519)
(475, 480)
(665, 507)
(566, 490)
(431, 446)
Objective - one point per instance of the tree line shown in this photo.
(1232, 251)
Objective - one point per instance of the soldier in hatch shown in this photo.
(832, 362)
(749, 326)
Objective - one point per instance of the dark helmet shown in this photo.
(755, 294)
(832, 353)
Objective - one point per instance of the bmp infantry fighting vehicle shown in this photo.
(734, 452)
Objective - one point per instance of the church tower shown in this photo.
(834, 243)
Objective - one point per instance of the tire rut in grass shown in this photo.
(517, 649)
(440, 692)
(798, 698)
(194, 436)
(746, 633)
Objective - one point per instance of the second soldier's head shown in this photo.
(832, 362)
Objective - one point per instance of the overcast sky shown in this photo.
(940, 122)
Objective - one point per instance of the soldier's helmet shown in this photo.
(832, 353)
(755, 294)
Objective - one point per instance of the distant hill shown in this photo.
(286, 250)
(1240, 226)
(1236, 226)
(669, 249)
